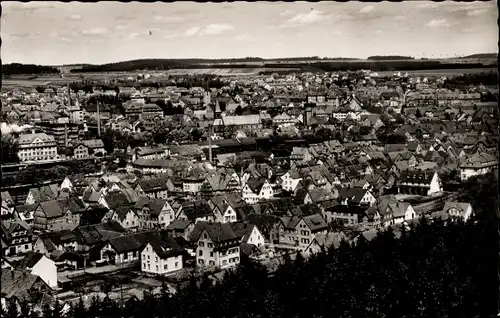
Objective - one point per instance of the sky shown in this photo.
(55, 33)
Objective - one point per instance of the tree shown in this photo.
(12, 308)
(9, 149)
(418, 114)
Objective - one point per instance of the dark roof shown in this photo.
(416, 176)
(218, 232)
(196, 209)
(352, 194)
(256, 184)
(178, 224)
(29, 260)
(165, 246)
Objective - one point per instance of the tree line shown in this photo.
(18, 68)
(434, 269)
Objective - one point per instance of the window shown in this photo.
(148, 256)
(26, 247)
(200, 253)
(149, 266)
(210, 245)
(176, 265)
(144, 265)
(201, 244)
(125, 256)
(211, 254)
(205, 235)
(165, 267)
(156, 267)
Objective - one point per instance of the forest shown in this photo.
(17, 68)
(434, 269)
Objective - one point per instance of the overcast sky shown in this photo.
(62, 33)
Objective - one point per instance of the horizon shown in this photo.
(111, 32)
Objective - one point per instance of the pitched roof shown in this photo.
(18, 283)
(460, 206)
(218, 232)
(30, 259)
(416, 176)
(353, 194)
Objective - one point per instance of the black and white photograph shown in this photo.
(249, 159)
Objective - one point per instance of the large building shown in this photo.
(37, 146)
(478, 164)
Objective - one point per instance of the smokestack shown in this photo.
(98, 121)
(65, 135)
(210, 143)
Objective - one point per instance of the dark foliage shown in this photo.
(17, 68)
(434, 270)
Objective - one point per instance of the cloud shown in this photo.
(163, 19)
(476, 12)
(23, 35)
(312, 17)
(192, 31)
(95, 31)
(399, 17)
(75, 17)
(215, 29)
(121, 27)
(367, 9)
(133, 35)
(441, 23)
(427, 5)
(211, 29)
(170, 35)
(27, 6)
(125, 18)
(287, 13)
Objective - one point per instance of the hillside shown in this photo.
(389, 58)
(18, 68)
(481, 56)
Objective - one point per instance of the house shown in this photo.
(196, 211)
(223, 210)
(419, 182)
(18, 285)
(270, 226)
(356, 196)
(257, 189)
(58, 214)
(43, 193)
(36, 146)
(40, 265)
(249, 233)
(478, 164)
(301, 154)
(325, 241)
(162, 255)
(401, 212)
(90, 238)
(154, 213)
(124, 249)
(301, 230)
(216, 245)
(290, 180)
(458, 210)
(48, 243)
(17, 237)
(127, 217)
(87, 148)
(154, 187)
(348, 215)
(180, 228)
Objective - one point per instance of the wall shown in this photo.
(47, 270)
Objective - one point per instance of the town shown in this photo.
(221, 160)
(171, 180)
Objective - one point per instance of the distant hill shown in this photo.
(389, 58)
(481, 56)
(18, 68)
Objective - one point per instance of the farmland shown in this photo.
(441, 72)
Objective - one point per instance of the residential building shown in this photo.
(17, 238)
(419, 182)
(478, 164)
(162, 256)
(40, 265)
(216, 245)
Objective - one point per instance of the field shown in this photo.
(22, 81)
(227, 71)
(442, 72)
